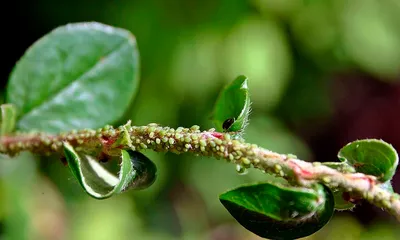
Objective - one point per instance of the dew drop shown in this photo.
(241, 170)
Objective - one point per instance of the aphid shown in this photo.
(228, 123)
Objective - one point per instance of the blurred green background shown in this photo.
(321, 73)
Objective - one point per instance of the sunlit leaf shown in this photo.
(371, 156)
(81, 75)
(137, 172)
(280, 212)
(8, 118)
(232, 109)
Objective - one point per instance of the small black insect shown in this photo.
(228, 123)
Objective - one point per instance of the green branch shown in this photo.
(212, 144)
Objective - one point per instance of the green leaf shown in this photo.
(372, 157)
(8, 118)
(232, 109)
(81, 75)
(280, 212)
(137, 172)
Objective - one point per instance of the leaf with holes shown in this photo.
(136, 172)
(371, 156)
(232, 109)
(81, 75)
(278, 212)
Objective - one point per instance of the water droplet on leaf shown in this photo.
(241, 170)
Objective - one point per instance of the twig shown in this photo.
(207, 143)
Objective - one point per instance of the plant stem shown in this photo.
(207, 143)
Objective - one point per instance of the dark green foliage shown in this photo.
(279, 212)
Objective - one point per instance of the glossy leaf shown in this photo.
(8, 118)
(81, 75)
(232, 109)
(137, 172)
(279, 212)
(371, 156)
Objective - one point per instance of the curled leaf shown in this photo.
(232, 109)
(8, 118)
(279, 212)
(136, 172)
(371, 156)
